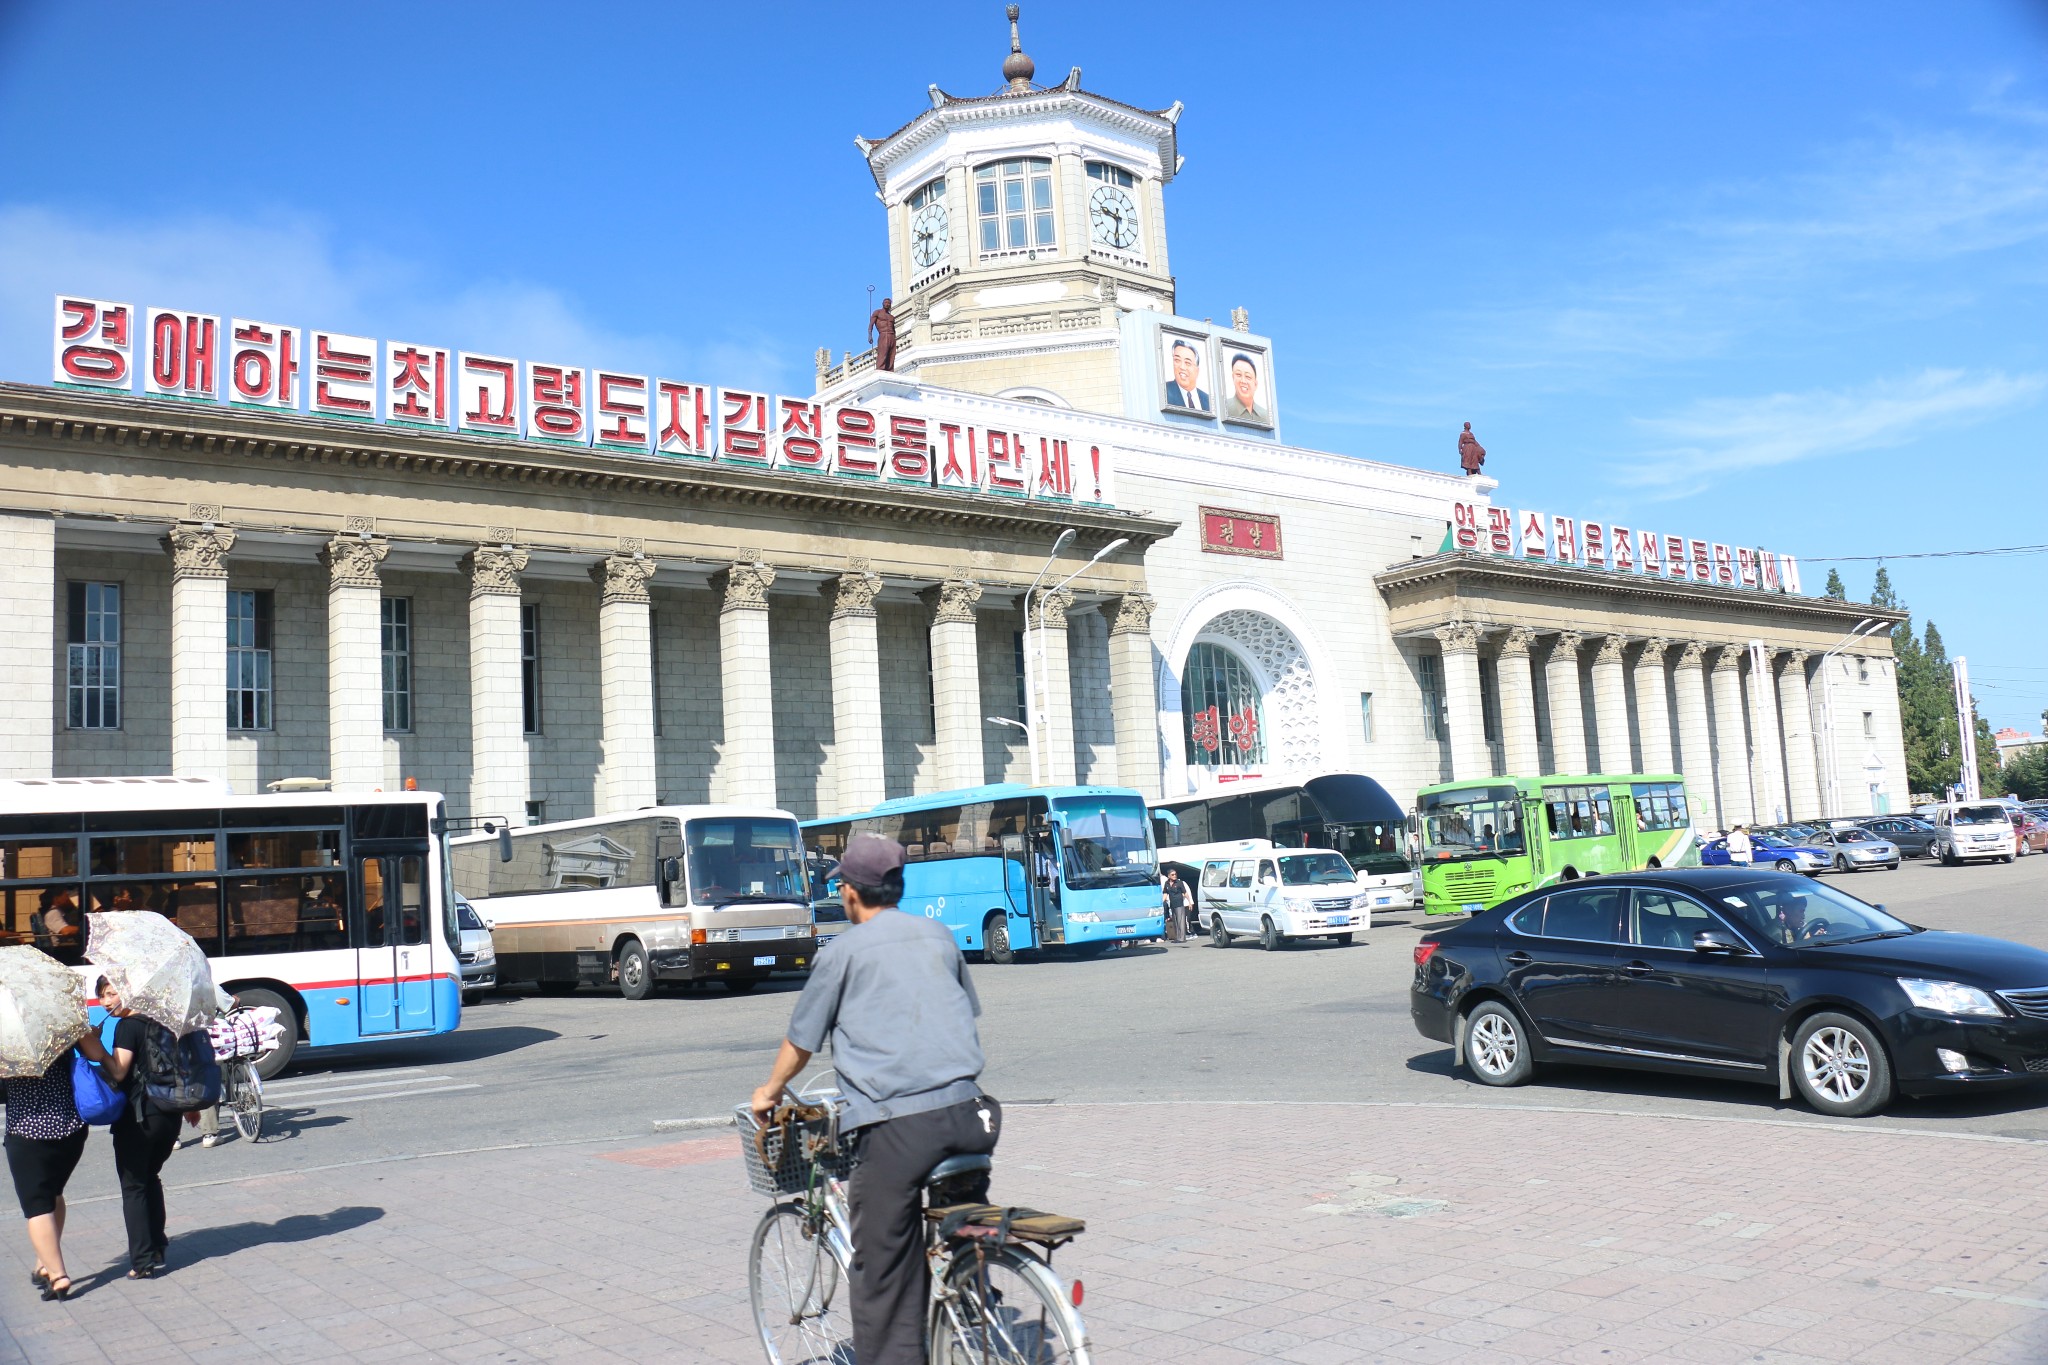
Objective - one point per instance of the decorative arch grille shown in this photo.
(1222, 708)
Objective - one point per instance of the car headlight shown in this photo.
(1948, 997)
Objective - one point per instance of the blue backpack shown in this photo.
(179, 1075)
(97, 1102)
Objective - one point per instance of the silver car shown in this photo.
(477, 954)
(1857, 849)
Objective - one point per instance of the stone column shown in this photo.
(1795, 715)
(355, 662)
(1610, 706)
(1517, 704)
(956, 683)
(625, 682)
(856, 690)
(199, 649)
(1567, 712)
(1653, 715)
(1045, 645)
(1731, 739)
(1695, 739)
(745, 774)
(1460, 645)
(29, 608)
(1134, 694)
(498, 785)
(1766, 767)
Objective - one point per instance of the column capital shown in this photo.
(953, 599)
(853, 592)
(1798, 657)
(1133, 614)
(1654, 650)
(199, 550)
(1725, 656)
(1049, 610)
(1567, 644)
(1611, 647)
(494, 570)
(352, 561)
(1457, 637)
(1693, 655)
(622, 578)
(1517, 643)
(745, 585)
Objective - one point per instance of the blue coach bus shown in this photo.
(1010, 867)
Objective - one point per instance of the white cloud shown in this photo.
(290, 270)
(1714, 438)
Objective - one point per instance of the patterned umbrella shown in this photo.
(42, 1010)
(158, 967)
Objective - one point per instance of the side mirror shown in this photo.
(490, 926)
(1714, 941)
(504, 843)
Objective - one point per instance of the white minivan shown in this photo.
(1972, 829)
(1281, 894)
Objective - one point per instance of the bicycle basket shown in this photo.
(794, 1150)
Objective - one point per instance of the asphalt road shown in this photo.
(1155, 1023)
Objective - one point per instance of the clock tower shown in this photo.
(1024, 225)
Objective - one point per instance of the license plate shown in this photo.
(1382, 900)
(1337, 921)
(768, 961)
(1471, 907)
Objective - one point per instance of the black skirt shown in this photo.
(41, 1167)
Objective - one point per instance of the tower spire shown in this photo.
(1017, 68)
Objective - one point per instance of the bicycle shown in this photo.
(241, 1088)
(995, 1299)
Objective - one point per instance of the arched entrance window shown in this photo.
(1221, 706)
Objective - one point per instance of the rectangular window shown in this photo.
(1489, 695)
(1365, 714)
(92, 662)
(1870, 725)
(1013, 202)
(1431, 670)
(250, 613)
(536, 812)
(529, 665)
(1862, 669)
(1023, 701)
(397, 627)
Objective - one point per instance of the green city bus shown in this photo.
(1490, 838)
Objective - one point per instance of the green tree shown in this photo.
(1835, 588)
(1881, 594)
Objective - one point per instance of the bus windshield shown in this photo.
(1314, 869)
(1477, 822)
(1108, 843)
(1373, 848)
(740, 858)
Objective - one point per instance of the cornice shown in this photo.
(957, 112)
(145, 428)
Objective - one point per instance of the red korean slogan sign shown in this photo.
(1524, 534)
(200, 357)
(1225, 532)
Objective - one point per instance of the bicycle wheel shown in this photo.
(1005, 1308)
(800, 1292)
(245, 1101)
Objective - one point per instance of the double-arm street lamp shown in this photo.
(1865, 628)
(1032, 676)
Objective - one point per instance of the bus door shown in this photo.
(1632, 856)
(1535, 835)
(394, 944)
(1044, 884)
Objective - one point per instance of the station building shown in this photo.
(257, 551)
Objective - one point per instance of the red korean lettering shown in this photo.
(744, 424)
(554, 404)
(800, 436)
(1674, 557)
(184, 349)
(961, 465)
(489, 398)
(685, 426)
(416, 384)
(910, 450)
(344, 375)
(1623, 542)
(95, 343)
(1724, 565)
(1465, 526)
(856, 447)
(1593, 540)
(263, 364)
(1500, 530)
(621, 419)
(1055, 471)
(1004, 464)
(1535, 535)
(1564, 539)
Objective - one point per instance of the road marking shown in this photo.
(1987, 1297)
(292, 1097)
(1756, 1230)
(398, 1094)
(339, 1077)
(687, 1125)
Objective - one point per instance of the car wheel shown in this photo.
(269, 1064)
(471, 997)
(1218, 935)
(1839, 1066)
(1784, 865)
(2006, 859)
(636, 978)
(1495, 1047)
(1269, 936)
(1342, 940)
(1841, 863)
(996, 935)
(1891, 867)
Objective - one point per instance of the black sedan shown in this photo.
(1737, 974)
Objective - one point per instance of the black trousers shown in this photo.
(41, 1167)
(141, 1146)
(886, 1198)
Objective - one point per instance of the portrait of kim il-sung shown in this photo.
(1185, 358)
(1245, 390)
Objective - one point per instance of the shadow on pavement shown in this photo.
(284, 1124)
(440, 1049)
(229, 1238)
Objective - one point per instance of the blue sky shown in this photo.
(1759, 272)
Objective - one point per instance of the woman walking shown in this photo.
(144, 1138)
(45, 1138)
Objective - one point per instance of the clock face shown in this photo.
(928, 237)
(1113, 217)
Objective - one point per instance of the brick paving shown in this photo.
(1308, 1233)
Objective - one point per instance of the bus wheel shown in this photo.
(1269, 936)
(636, 980)
(1218, 935)
(271, 1063)
(1654, 864)
(995, 938)
(1570, 874)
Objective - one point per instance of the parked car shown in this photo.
(1732, 973)
(2030, 834)
(476, 953)
(1973, 829)
(1767, 851)
(1851, 848)
(1280, 895)
(1913, 835)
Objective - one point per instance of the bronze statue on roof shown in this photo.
(1471, 454)
(882, 331)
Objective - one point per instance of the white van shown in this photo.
(1972, 829)
(1281, 894)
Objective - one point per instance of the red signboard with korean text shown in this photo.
(95, 343)
(1226, 532)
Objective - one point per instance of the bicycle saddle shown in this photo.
(953, 1167)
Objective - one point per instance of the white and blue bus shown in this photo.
(1011, 867)
(334, 909)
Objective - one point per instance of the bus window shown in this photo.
(1470, 823)
(1241, 873)
(1215, 874)
(1578, 812)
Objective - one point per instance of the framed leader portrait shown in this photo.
(1246, 380)
(1184, 364)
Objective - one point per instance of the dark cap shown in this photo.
(869, 862)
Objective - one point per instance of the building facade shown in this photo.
(553, 592)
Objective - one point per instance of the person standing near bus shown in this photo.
(912, 1092)
(144, 1138)
(1739, 846)
(1173, 895)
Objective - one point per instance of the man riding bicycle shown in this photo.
(892, 994)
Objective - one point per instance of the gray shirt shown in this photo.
(894, 997)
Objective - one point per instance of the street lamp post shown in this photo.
(1033, 678)
(1030, 740)
(1864, 630)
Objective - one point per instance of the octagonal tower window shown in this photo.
(1013, 203)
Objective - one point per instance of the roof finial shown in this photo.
(1017, 68)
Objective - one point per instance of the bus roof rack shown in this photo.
(299, 784)
(138, 780)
